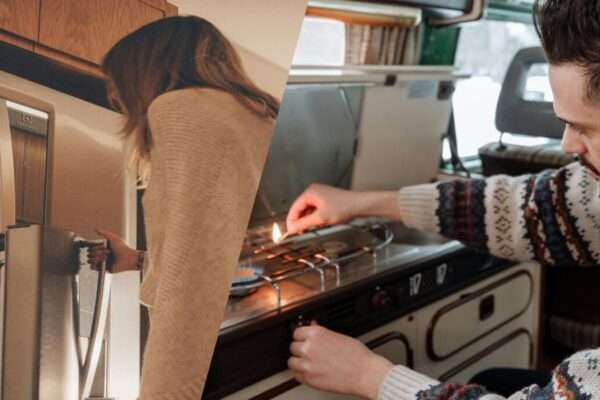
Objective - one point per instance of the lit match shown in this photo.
(276, 233)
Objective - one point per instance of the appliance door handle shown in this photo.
(7, 172)
(90, 364)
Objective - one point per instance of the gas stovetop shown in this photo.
(273, 276)
(368, 279)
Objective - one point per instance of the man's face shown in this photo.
(582, 116)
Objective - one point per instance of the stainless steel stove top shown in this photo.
(319, 262)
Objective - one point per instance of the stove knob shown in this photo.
(299, 322)
(381, 300)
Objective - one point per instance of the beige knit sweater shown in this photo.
(207, 158)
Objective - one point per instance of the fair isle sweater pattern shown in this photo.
(461, 212)
(495, 214)
(578, 245)
(577, 378)
(552, 217)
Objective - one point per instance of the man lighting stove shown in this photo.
(554, 218)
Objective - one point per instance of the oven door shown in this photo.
(393, 341)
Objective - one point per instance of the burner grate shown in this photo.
(292, 259)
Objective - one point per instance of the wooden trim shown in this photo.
(15, 40)
(47, 72)
(487, 351)
(351, 17)
(472, 296)
(69, 61)
(158, 4)
(171, 10)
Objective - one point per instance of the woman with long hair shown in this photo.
(199, 131)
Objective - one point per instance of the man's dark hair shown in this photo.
(570, 33)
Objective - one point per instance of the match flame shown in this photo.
(276, 233)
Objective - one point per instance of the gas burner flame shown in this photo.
(276, 233)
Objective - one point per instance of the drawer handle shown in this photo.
(487, 306)
(394, 336)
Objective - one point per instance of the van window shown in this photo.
(485, 50)
(537, 87)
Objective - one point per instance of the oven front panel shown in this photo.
(253, 351)
(394, 341)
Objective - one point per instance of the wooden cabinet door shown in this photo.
(87, 29)
(21, 18)
(29, 152)
(468, 328)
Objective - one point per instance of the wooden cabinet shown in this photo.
(76, 32)
(29, 152)
(19, 21)
(499, 322)
(88, 29)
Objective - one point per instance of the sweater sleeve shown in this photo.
(551, 217)
(210, 181)
(574, 378)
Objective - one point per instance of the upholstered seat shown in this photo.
(511, 159)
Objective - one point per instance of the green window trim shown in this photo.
(500, 10)
(439, 45)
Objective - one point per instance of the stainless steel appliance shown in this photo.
(295, 270)
(46, 355)
(62, 170)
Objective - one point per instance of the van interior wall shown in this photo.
(400, 134)
(264, 31)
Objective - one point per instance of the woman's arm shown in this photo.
(122, 257)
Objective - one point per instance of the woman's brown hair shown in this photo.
(169, 54)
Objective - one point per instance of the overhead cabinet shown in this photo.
(20, 18)
(87, 29)
(76, 32)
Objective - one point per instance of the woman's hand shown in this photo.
(320, 205)
(124, 258)
(336, 363)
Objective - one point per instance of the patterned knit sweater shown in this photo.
(552, 217)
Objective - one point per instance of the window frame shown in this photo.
(495, 11)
